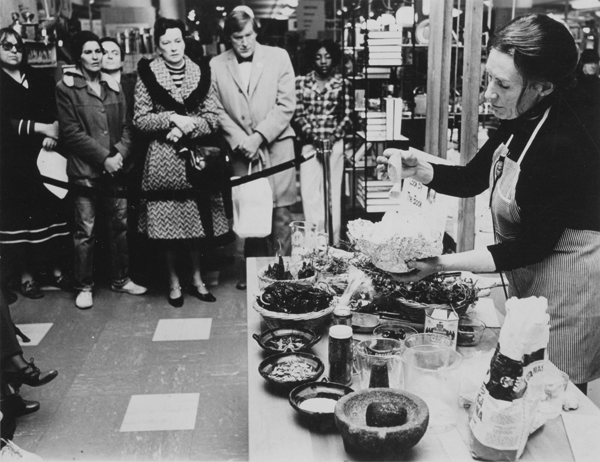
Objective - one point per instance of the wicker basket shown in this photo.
(264, 281)
(313, 321)
(412, 311)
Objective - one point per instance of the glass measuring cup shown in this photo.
(432, 372)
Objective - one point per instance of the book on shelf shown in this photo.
(383, 41)
(384, 49)
(383, 34)
(384, 55)
(385, 62)
(393, 111)
(374, 183)
(376, 123)
(372, 114)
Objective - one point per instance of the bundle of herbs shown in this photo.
(436, 289)
(294, 298)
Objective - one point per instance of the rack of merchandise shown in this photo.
(379, 111)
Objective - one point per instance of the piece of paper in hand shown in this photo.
(53, 165)
(395, 174)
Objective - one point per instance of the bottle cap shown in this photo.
(340, 332)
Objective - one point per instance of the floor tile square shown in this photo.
(147, 413)
(36, 332)
(182, 329)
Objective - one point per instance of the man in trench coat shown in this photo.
(256, 93)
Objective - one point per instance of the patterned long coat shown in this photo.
(164, 169)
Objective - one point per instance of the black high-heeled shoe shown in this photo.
(207, 297)
(175, 302)
(29, 375)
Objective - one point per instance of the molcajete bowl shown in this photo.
(286, 339)
(315, 403)
(288, 370)
(350, 419)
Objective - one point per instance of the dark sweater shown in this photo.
(559, 184)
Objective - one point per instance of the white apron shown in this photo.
(569, 277)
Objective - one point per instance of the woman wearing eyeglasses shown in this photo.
(33, 223)
(542, 168)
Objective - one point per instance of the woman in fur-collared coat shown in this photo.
(175, 106)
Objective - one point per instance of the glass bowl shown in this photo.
(470, 331)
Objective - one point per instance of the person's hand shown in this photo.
(412, 166)
(184, 123)
(49, 143)
(418, 270)
(48, 130)
(174, 135)
(249, 147)
(114, 163)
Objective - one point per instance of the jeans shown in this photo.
(114, 211)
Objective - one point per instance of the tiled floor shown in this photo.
(138, 379)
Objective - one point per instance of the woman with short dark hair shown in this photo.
(33, 221)
(96, 134)
(542, 168)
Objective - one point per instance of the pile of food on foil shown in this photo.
(395, 240)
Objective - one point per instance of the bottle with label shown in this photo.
(340, 354)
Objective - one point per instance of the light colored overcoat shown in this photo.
(266, 106)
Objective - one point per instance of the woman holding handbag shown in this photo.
(175, 106)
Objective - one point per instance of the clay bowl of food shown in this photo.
(285, 371)
(315, 403)
(381, 421)
(301, 272)
(284, 340)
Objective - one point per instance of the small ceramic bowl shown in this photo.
(315, 403)
(470, 331)
(364, 322)
(394, 330)
(288, 370)
(284, 340)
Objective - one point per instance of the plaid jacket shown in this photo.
(322, 115)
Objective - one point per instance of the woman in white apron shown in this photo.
(543, 171)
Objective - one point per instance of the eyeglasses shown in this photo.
(7, 46)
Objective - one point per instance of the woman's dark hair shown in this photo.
(10, 32)
(589, 56)
(163, 24)
(543, 49)
(332, 48)
(79, 40)
(236, 21)
(113, 40)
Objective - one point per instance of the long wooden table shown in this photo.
(277, 434)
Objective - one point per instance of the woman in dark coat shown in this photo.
(175, 107)
(542, 168)
(33, 223)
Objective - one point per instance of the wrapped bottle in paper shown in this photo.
(503, 414)
(442, 321)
